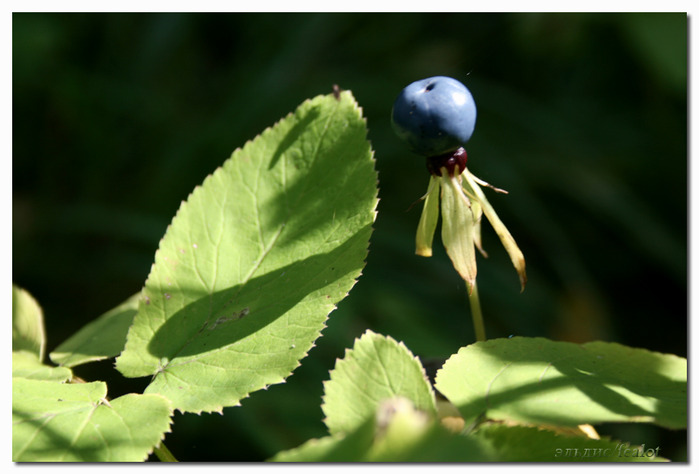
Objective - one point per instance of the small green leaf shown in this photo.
(428, 219)
(27, 323)
(377, 368)
(256, 259)
(27, 365)
(535, 380)
(100, 339)
(532, 444)
(74, 423)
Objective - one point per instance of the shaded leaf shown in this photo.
(405, 434)
(29, 340)
(341, 447)
(27, 323)
(532, 444)
(535, 380)
(377, 368)
(256, 258)
(99, 339)
(73, 422)
(397, 432)
(27, 365)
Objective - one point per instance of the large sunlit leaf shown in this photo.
(535, 380)
(377, 368)
(74, 422)
(100, 339)
(256, 258)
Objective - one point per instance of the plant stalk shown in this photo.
(164, 454)
(476, 313)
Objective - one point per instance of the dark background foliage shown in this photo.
(581, 117)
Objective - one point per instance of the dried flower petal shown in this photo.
(458, 229)
(471, 187)
(428, 219)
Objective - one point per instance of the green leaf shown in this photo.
(341, 447)
(73, 422)
(404, 434)
(100, 339)
(27, 324)
(29, 340)
(377, 368)
(535, 380)
(532, 444)
(397, 433)
(27, 365)
(256, 259)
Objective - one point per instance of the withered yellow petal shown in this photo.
(477, 212)
(506, 238)
(458, 229)
(428, 219)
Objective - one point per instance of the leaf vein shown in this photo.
(490, 385)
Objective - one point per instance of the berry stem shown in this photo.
(476, 313)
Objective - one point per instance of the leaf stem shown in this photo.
(476, 313)
(164, 454)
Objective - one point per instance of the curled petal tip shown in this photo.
(423, 252)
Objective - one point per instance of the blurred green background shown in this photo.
(581, 117)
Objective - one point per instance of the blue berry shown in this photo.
(434, 115)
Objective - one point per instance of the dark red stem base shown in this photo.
(450, 161)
